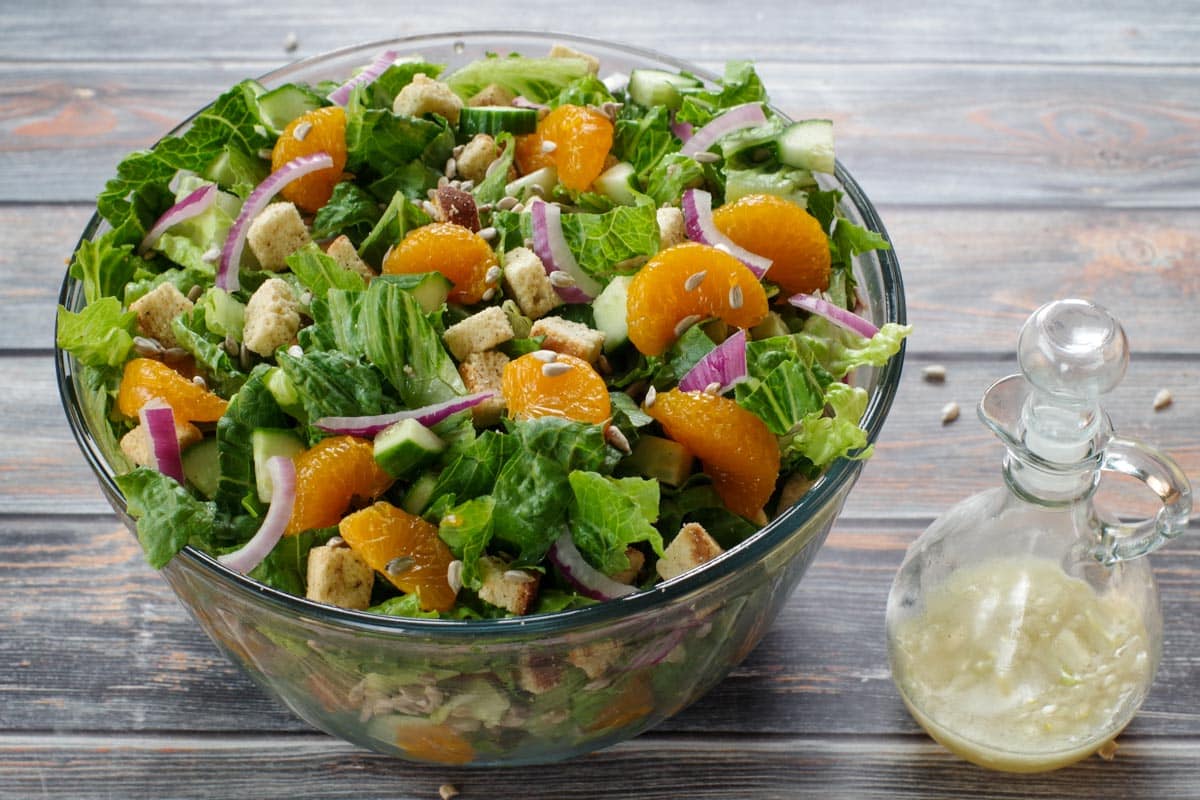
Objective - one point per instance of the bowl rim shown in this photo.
(658, 597)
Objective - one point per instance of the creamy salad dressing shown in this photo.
(1013, 664)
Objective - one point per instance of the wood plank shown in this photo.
(1109, 32)
(110, 649)
(920, 467)
(973, 135)
(971, 275)
(661, 768)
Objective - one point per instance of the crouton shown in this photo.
(595, 658)
(526, 281)
(793, 489)
(482, 372)
(690, 548)
(629, 575)
(272, 317)
(510, 589)
(156, 309)
(342, 251)
(137, 447)
(276, 233)
(671, 230)
(476, 156)
(492, 95)
(562, 51)
(478, 332)
(573, 338)
(338, 576)
(538, 675)
(427, 96)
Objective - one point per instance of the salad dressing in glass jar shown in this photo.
(1023, 627)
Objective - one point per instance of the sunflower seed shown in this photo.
(454, 573)
(614, 436)
(488, 293)
(296, 351)
(443, 182)
(685, 323)
(399, 565)
(549, 146)
(556, 368)
(145, 346)
(211, 255)
(199, 381)
(245, 358)
(934, 373)
(446, 791)
(694, 280)
(545, 356)
(430, 209)
(518, 576)
(735, 297)
(458, 150)
(517, 209)
(264, 154)
(949, 412)
(651, 396)
(1162, 399)
(290, 42)
(506, 203)
(713, 388)
(487, 234)
(175, 354)
(336, 542)
(561, 280)
(482, 207)
(466, 186)
(301, 131)
(493, 273)
(536, 190)
(231, 346)
(195, 292)
(451, 167)
(602, 365)
(706, 158)
(306, 298)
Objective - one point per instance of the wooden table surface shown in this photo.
(1017, 154)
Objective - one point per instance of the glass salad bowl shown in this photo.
(515, 690)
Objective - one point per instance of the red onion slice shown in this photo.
(838, 316)
(551, 247)
(698, 221)
(426, 415)
(586, 579)
(725, 365)
(195, 204)
(683, 130)
(283, 497)
(159, 421)
(747, 115)
(231, 253)
(520, 101)
(341, 95)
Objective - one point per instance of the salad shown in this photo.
(499, 341)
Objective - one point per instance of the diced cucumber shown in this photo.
(429, 289)
(278, 107)
(284, 391)
(545, 179)
(772, 325)
(617, 183)
(497, 119)
(201, 467)
(787, 182)
(419, 494)
(662, 459)
(232, 167)
(405, 447)
(266, 443)
(609, 312)
(808, 144)
(656, 87)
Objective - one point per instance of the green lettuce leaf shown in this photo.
(252, 407)
(574, 445)
(407, 605)
(224, 314)
(350, 212)
(532, 496)
(644, 141)
(536, 79)
(587, 91)
(381, 92)
(286, 566)
(823, 438)
(101, 335)
(319, 272)
(610, 514)
(192, 333)
(396, 153)
(104, 267)
(604, 245)
(697, 501)
(474, 471)
(400, 217)
(671, 176)
(839, 351)
(332, 384)
(467, 530)
(168, 517)
(740, 84)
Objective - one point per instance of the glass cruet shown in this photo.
(1023, 626)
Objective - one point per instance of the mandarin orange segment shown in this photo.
(783, 232)
(565, 387)
(322, 130)
(463, 256)
(425, 740)
(690, 281)
(631, 706)
(329, 475)
(574, 139)
(735, 447)
(145, 379)
(404, 548)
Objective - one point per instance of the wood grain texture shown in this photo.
(1088, 136)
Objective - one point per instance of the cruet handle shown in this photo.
(1121, 541)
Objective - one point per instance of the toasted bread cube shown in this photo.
(562, 51)
(690, 548)
(427, 96)
(525, 279)
(272, 317)
(338, 576)
(492, 95)
(138, 448)
(538, 675)
(573, 338)
(637, 560)
(342, 251)
(483, 372)
(595, 658)
(476, 156)
(671, 228)
(276, 233)
(478, 332)
(156, 309)
(510, 589)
